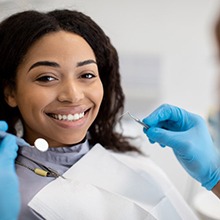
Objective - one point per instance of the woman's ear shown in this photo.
(10, 96)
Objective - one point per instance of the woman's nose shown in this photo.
(70, 92)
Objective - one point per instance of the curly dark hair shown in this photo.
(18, 33)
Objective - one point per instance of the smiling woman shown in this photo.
(99, 46)
(59, 78)
(56, 84)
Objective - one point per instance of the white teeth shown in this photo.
(69, 117)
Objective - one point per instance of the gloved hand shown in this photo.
(9, 188)
(187, 134)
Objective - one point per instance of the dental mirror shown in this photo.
(41, 144)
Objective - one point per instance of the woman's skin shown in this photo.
(59, 91)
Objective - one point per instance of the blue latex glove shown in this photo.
(188, 136)
(9, 188)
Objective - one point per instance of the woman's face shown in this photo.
(59, 91)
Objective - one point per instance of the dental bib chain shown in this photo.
(41, 170)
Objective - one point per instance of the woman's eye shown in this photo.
(46, 79)
(88, 76)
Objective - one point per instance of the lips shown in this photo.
(67, 117)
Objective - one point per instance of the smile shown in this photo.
(68, 117)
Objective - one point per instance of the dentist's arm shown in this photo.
(9, 189)
(216, 189)
(187, 134)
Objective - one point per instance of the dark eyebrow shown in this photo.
(85, 62)
(54, 64)
(44, 63)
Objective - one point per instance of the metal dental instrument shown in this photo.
(39, 143)
(136, 119)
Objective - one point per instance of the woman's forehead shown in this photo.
(59, 46)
